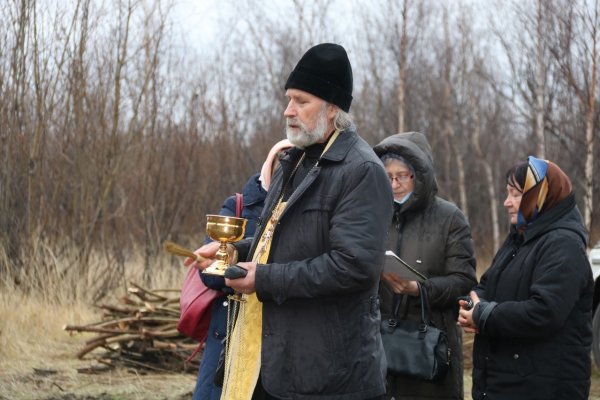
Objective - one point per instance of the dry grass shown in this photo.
(37, 357)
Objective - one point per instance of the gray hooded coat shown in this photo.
(433, 235)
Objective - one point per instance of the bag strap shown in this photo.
(396, 306)
(239, 203)
(425, 310)
(196, 351)
(400, 306)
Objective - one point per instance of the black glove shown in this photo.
(235, 272)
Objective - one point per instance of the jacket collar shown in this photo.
(564, 215)
(342, 145)
(253, 191)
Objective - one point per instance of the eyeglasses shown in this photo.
(400, 178)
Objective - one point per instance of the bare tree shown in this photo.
(392, 60)
(115, 137)
(401, 58)
(539, 81)
(400, 43)
(526, 49)
(448, 112)
(578, 29)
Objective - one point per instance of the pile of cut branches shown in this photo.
(141, 333)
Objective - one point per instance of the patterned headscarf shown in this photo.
(545, 186)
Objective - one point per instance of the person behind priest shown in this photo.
(309, 321)
(532, 314)
(432, 235)
(253, 194)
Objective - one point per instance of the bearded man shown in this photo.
(308, 324)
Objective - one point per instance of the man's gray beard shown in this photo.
(305, 137)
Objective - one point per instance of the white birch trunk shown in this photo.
(492, 196)
(540, 88)
(402, 70)
(588, 197)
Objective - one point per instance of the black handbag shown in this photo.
(415, 349)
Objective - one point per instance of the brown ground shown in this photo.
(55, 378)
(37, 358)
(68, 385)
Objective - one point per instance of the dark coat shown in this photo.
(535, 334)
(253, 201)
(434, 236)
(319, 290)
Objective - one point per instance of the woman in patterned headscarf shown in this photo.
(533, 307)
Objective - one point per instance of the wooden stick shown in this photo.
(135, 319)
(86, 349)
(117, 309)
(146, 291)
(182, 251)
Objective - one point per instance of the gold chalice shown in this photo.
(224, 230)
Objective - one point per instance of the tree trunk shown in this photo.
(489, 176)
(402, 70)
(588, 197)
(540, 87)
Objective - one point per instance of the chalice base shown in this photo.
(217, 268)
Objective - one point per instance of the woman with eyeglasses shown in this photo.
(432, 235)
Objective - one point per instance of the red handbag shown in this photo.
(195, 301)
(195, 304)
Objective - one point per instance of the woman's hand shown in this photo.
(207, 251)
(399, 285)
(465, 317)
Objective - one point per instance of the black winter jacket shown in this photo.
(535, 331)
(319, 290)
(434, 236)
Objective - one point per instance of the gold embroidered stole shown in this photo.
(242, 365)
(242, 356)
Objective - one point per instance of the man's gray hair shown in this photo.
(342, 120)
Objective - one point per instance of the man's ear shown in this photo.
(332, 109)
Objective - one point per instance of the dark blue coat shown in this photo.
(253, 201)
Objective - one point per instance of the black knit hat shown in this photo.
(325, 71)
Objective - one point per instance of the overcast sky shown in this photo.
(196, 20)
